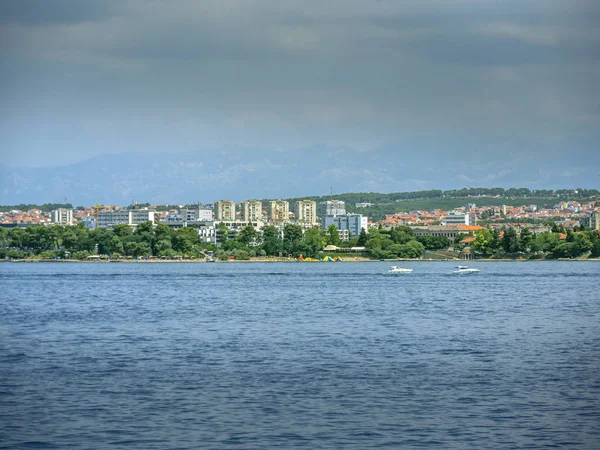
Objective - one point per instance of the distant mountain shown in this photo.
(243, 174)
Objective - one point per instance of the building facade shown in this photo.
(279, 212)
(225, 210)
(592, 221)
(350, 223)
(62, 216)
(133, 218)
(460, 218)
(451, 232)
(252, 211)
(335, 208)
(306, 212)
(197, 214)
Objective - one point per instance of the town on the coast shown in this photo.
(481, 224)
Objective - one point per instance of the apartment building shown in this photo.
(225, 210)
(279, 212)
(335, 208)
(108, 219)
(62, 216)
(460, 218)
(349, 225)
(306, 212)
(252, 210)
(591, 221)
(197, 213)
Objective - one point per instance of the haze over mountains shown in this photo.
(244, 174)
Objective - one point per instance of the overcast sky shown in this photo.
(82, 78)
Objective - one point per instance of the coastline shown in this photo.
(287, 260)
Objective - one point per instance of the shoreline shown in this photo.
(287, 260)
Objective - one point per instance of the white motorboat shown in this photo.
(396, 269)
(466, 269)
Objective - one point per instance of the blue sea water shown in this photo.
(299, 355)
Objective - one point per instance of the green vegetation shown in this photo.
(46, 207)
(78, 242)
(450, 199)
(160, 241)
(558, 243)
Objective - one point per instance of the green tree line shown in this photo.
(162, 241)
(46, 207)
(549, 244)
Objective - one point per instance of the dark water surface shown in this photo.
(299, 355)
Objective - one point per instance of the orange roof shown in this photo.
(468, 240)
(469, 227)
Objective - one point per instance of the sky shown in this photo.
(80, 79)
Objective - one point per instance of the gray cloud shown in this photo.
(85, 78)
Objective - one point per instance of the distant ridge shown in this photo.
(241, 174)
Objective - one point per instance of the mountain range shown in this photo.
(245, 174)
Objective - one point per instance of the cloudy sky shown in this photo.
(84, 78)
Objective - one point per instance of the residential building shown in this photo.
(349, 223)
(225, 210)
(591, 221)
(306, 212)
(62, 216)
(207, 232)
(197, 213)
(335, 208)
(252, 210)
(132, 217)
(448, 231)
(460, 218)
(279, 212)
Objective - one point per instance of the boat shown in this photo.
(466, 269)
(396, 269)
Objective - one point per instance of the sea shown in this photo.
(299, 356)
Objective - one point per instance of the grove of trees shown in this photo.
(558, 243)
(147, 240)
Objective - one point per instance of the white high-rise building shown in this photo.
(335, 208)
(225, 210)
(306, 212)
(62, 216)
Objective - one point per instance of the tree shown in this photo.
(248, 236)
(596, 249)
(68, 238)
(122, 229)
(185, 239)
(525, 240)
(272, 244)
(362, 238)
(583, 243)
(509, 241)
(292, 236)
(115, 246)
(333, 235)
(137, 249)
(313, 241)
(145, 227)
(483, 242)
